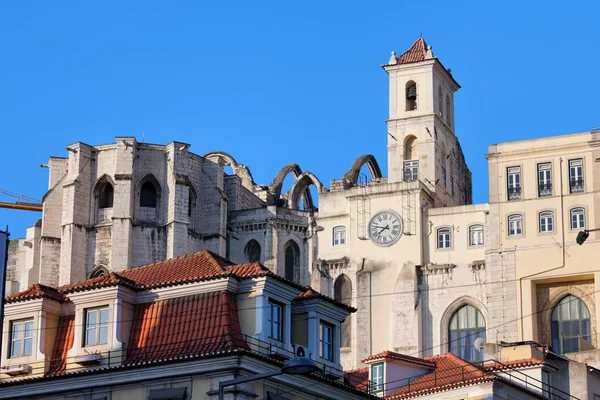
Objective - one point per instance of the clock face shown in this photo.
(385, 228)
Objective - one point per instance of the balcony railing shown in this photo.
(545, 189)
(514, 192)
(576, 185)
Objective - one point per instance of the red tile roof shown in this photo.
(310, 293)
(357, 378)
(201, 324)
(390, 355)
(515, 364)
(62, 344)
(37, 291)
(450, 372)
(415, 53)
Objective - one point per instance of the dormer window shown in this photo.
(275, 319)
(96, 326)
(326, 341)
(21, 338)
(377, 377)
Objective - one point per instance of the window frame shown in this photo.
(411, 170)
(323, 325)
(378, 387)
(341, 230)
(447, 230)
(472, 228)
(22, 340)
(271, 324)
(521, 219)
(514, 182)
(558, 329)
(582, 213)
(98, 326)
(452, 185)
(549, 216)
(581, 177)
(482, 330)
(544, 183)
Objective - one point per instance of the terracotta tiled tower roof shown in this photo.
(415, 53)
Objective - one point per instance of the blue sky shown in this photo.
(279, 82)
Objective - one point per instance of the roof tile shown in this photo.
(415, 53)
(390, 355)
(37, 291)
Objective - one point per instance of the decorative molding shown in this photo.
(477, 265)
(435, 269)
(123, 177)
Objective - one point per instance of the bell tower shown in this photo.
(421, 140)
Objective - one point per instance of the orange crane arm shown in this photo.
(22, 206)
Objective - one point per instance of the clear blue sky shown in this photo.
(279, 82)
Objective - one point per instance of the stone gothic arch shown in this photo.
(239, 170)
(411, 148)
(276, 186)
(103, 196)
(447, 316)
(300, 188)
(291, 254)
(100, 270)
(351, 176)
(342, 289)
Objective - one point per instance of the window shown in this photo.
(547, 384)
(546, 221)
(411, 148)
(577, 218)
(148, 195)
(21, 338)
(377, 377)
(96, 326)
(570, 322)
(411, 171)
(466, 325)
(544, 179)
(339, 236)
(343, 294)
(443, 237)
(252, 251)
(411, 96)
(452, 185)
(515, 225)
(275, 323)
(476, 235)
(105, 196)
(292, 259)
(514, 182)
(448, 111)
(576, 175)
(326, 339)
(443, 177)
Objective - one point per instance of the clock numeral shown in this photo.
(394, 233)
(384, 239)
(379, 219)
(385, 216)
(396, 227)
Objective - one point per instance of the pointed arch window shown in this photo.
(106, 195)
(570, 323)
(343, 294)
(292, 259)
(252, 251)
(148, 195)
(448, 111)
(411, 96)
(466, 325)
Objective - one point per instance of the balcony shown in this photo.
(514, 192)
(576, 185)
(545, 189)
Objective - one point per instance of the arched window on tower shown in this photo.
(411, 96)
(466, 325)
(292, 259)
(411, 158)
(570, 322)
(448, 111)
(148, 195)
(343, 294)
(252, 251)
(106, 195)
(191, 209)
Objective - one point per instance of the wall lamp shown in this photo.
(584, 234)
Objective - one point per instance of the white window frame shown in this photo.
(546, 222)
(478, 231)
(275, 320)
(544, 173)
(377, 377)
(411, 171)
(326, 343)
(515, 225)
(579, 223)
(576, 174)
(97, 326)
(513, 181)
(20, 328)
(339, 236)
(444, 238)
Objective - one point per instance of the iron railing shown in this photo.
(514, 192)
(545, 189)
(576, 185)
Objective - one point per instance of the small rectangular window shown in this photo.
(443, 177)
(339, 236)
(514, 183)
(576, 175)
(476, 235)
(275, 320)
(96, 326)
(21, 335)
(411, 171)
(544, 179)
(515, 225)
(326, 340)
(443, 238)
(377, 377)
(578, 218)
(546, 222)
